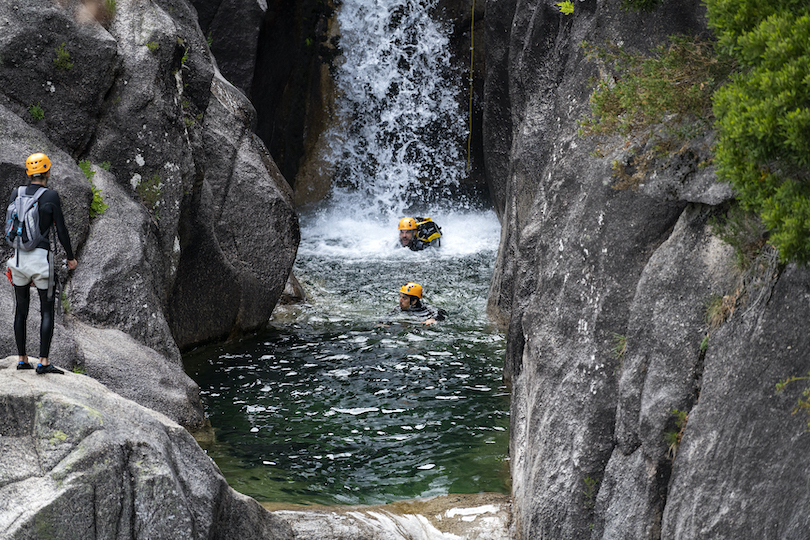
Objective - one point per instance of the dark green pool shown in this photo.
(328, 407)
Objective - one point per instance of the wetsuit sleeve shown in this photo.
(53, 206)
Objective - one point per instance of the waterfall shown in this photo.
(401, 139)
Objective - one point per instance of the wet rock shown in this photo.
(482, 516)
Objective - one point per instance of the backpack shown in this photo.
(22, 220)
(427, 230)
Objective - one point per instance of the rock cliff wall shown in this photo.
(200, 233)
(584, 268)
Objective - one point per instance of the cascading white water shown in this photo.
(401, 141)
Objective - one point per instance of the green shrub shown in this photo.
(36, 112)
(673, 438)
(150, 190)
(590, 491)
(619, 346)
(97, 206)
(62, 60)
(763, 115)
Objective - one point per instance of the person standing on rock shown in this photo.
(36, 265)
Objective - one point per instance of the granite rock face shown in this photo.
(199, 234)
(79, 461)
(604, 293)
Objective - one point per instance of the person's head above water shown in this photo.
(407, 230)
(409, 294)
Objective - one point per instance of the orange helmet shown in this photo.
(37, 164)
(407, 224)
(412, 289)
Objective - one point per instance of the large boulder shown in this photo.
(53, 56)
(240, 230)
(79, 461)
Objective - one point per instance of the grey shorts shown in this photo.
(32, 266)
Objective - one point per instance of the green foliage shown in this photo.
(719, 309)
(763, 115)
(209, 40)
(36, 112)
(62, 60)
(566, 7)
(150, 190)
(704, 344)
(66, 307)
(105, 165)
(110, 6)
(590, 491)
(673, 438)
(153, 46)
(619, 346)
(97, 206)
(804, 400)
(676, 82)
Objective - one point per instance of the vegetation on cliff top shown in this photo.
(763, 115)
(757, 79)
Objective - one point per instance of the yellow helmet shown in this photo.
(412, 289)
(37, 164)
(407, 224)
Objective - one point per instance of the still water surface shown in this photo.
(329, 407)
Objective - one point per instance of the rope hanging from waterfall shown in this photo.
(469, 122)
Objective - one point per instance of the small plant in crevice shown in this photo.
(720, 308)
(65, 301)
(149, 191)
(590, 491)
(97, 205)
(803, 403)
(36, 112)
(673, 438)
(153, 46)
(704, 345)
(566, 7)
(62, 60)
(619, 346)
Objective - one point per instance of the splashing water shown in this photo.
(402, 137)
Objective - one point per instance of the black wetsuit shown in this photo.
(421, 311)
(417, 244)
(50, 211)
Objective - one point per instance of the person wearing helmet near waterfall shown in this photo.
(418, 233)
(36, 266)
(412, 305)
